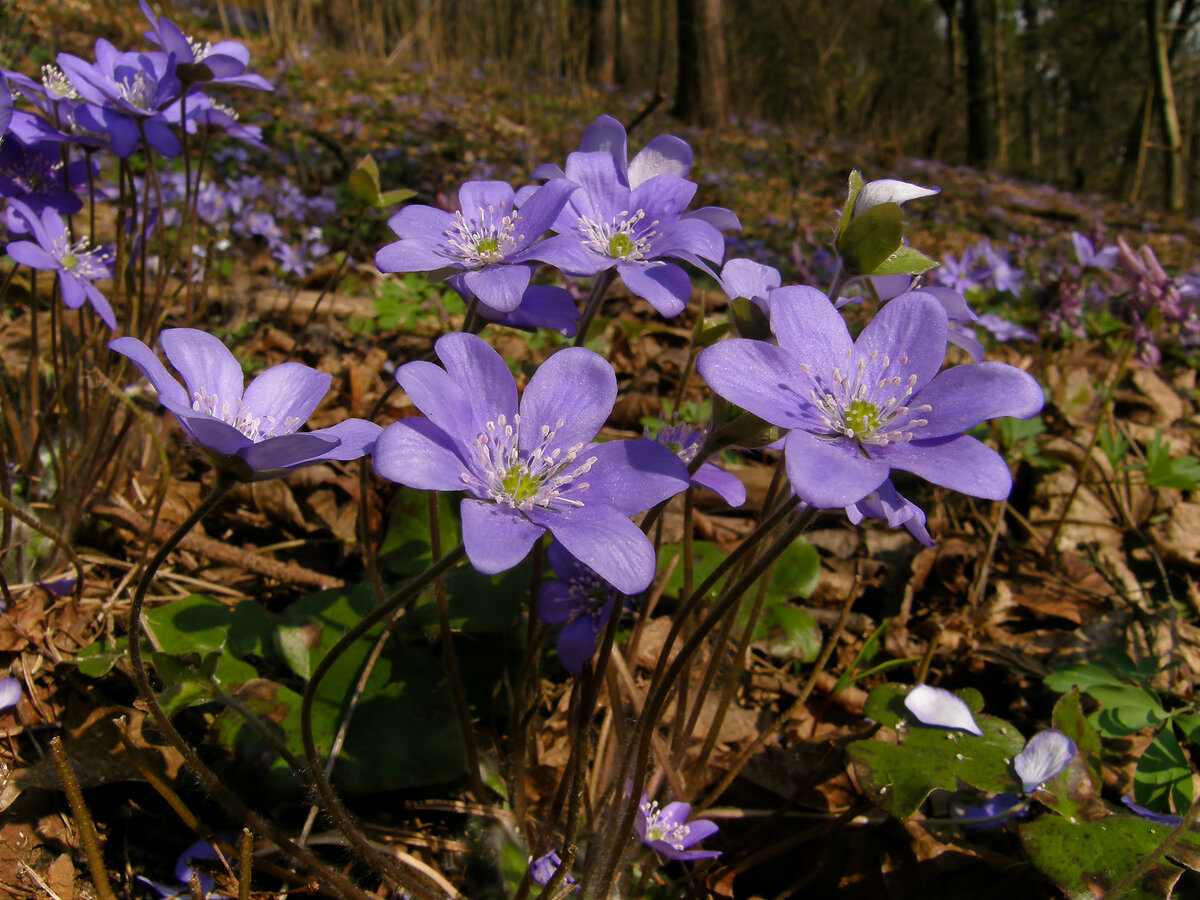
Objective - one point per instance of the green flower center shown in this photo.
(863, 417)
(620, 245)
(520, 485)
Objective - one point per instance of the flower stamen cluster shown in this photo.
(539, 479)
(56, 83)
(487, 238)
(242, 417)
(661, 828)
(79, 259)
(620, 237)
(871, 414)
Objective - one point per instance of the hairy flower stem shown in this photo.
(84, 825)
(333, 804)
(451, 659)
(595, 298)
(203, 773)
(603, 866)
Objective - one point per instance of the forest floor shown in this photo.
(1062, 573)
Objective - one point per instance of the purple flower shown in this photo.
(992, 813)
(958, 273)
(252, 432)
(542, 306)
(999, 270)
(886, 503)
(199, 851)
(581, 601)
(1160, 818)
(488, 238)
(855, 410)
(34, 174)
(606, 224)
(221, 63)
(215, 118)
(685, 442)
(129, 92)
(6, 105)
(1004, 330)
(1046, 755)
(542, 869)
(939, 708)
(52, 250)
(532, 467)
(1089, 257)
(10, 692)
(667, 831)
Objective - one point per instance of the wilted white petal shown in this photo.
(10, 692)
(940, 708)
(889, 190)
(1046, 754)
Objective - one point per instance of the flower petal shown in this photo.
(288, 391)
(760, 378)
(357, 437)
(418, 454)
(486, 382)
(1046, 755)
(889, 190)
(500, 286)
(940, 709)
(632, 476)
(576, 643)
(269, 457)
(665, 286)
(963, 396)
(555, 603)
(205, 364)
(666, 154)
(811, 329)
(150, 365)
(909, 334)
(575, 387)
(603, 538)
(724, 484)
(496, 537)
(962, 464)
(10, 692)
(830, 474)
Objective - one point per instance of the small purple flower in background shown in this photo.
(685, 442)
(606, 224)
(958, 273)
(667, 831)
(581, 601)
(1004, 330)
(252, 432)
(532, 467)
(200, 851)
(1089, 257)
(998, 270)
(488, 238)
(889, 505)
(939, 708)
(855, 410)
(33, 174)
(542, 869)
(1046, 755)
(10, 692)
(52, 250)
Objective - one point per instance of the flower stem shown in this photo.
(599, 288)
(83, 821)
(203, 773)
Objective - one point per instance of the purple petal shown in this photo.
(475, 198)
(718, 217)
(413, 255)
(760, 378)
(418, 454)
(424, 223)
(961, 464)
(540, 209)
(100, 304)
(665, 195)
(666, 154)
(603, 197)
(287, 451)
(500, 286)
(73, 293)
(151, 367)
(700, 829)
(606, 134)
(690, 238)
(749, 279)
(441, 398)
(830, 473)
(724, 484)
(633, 476)
(574, 387)
(604, 539)
(286, 391)
(576, 644)
(963, 396)
(496, 537)
(10, 692)
(1046, 755)
(27, 253)
(487, 384)
(811, 329)
(1151, 815)
(664, 286)
(909, 333)
(940, 709)
(220, 437)
(555, 603)
(567, 253)
(205, 364)
(357, 438)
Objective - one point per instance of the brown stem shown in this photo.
(83, 821)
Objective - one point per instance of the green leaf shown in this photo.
(391, 198)
(194, 624)
(364, 181)
(905, 261)
(855, 186)
(1122, 721)
(96, 660)
(1088, 859)
(898, 778)
(1164, 777)
(1083, 676)
(1075, 793)
(791, 633)
(405, 549)
(477, 603)
(871, 238)
(1068, 717)
(1162, 471)
(795, 573)
(706, 556)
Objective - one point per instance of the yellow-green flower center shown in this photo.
(863, 416)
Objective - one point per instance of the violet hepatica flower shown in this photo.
(221, 63)
(939, 708)
(248, 432)
(200, 851)
(889, 505)
(1046, 755)
(685, 442)
(607, 224)
(76, 265)
(530, 467)
(488, 238)
(1089, 257)
(581, 601)
(856, 409)
(667, 831)
(542, 869)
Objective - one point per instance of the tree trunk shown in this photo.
(604, 40)
(978, 139)
(687, 87)
(714, 69)
(1160, 64)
